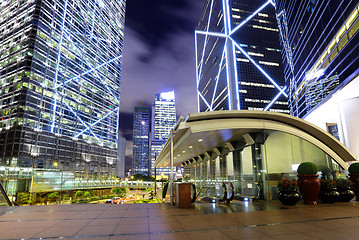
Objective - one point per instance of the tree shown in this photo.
(141, 177)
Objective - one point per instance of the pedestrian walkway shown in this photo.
(240, 220)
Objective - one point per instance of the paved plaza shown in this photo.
(261, 220)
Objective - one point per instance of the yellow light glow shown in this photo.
(351, 19)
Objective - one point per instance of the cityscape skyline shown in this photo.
(61, 65)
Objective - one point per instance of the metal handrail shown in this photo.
(3, 192)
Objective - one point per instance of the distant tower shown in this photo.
(121, 149)
(163, 120)
(238, 57)
(141, 139)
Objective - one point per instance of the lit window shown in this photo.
(242, 60)
(266, 28)
(256, 54)
(269, 63)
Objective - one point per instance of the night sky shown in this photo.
(158, 56)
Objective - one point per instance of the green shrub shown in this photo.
(87, 194)
(79, 194)
(117, 191)
(354, 168)
(307, 168)
(23, 198)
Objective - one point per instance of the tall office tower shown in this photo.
(238, 57)
(320, 45)
(121, 150)
(141, 141)
(163, 121)
(60, 69)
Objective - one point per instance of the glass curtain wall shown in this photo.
(255, 170)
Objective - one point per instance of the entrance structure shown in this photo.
(252, 150)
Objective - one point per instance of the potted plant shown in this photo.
(308, 182)
(354, 177)
(288, 192)
(345, 189)
(328, 191)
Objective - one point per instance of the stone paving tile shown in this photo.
(131, 237)
(95, 230)
(243, 233)
(21, 233)
(332, 235)
(104, 222)
(89, 238)
(6, 226)
(171, 236)
(304, 227)
(162, 227)
(161, 221)
(57, 232)
(274, 230)
(208, 235)
(73, 223)
(295, 236)
(131, 228)
(135, 220)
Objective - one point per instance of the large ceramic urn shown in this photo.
(309, 187)
(308, 182)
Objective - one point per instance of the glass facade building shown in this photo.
(238, 57)
(60, 69)
(320, 49)
(163, 121)
(141, 141)
(320, 52)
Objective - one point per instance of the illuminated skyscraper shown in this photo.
(163, 121)
(60, 70)
(141, 141)
(320, 45)
(238, 57)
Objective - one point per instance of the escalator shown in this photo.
(225, 192)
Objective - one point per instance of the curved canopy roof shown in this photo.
(203, 132)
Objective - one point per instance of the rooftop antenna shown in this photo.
(143, 99)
